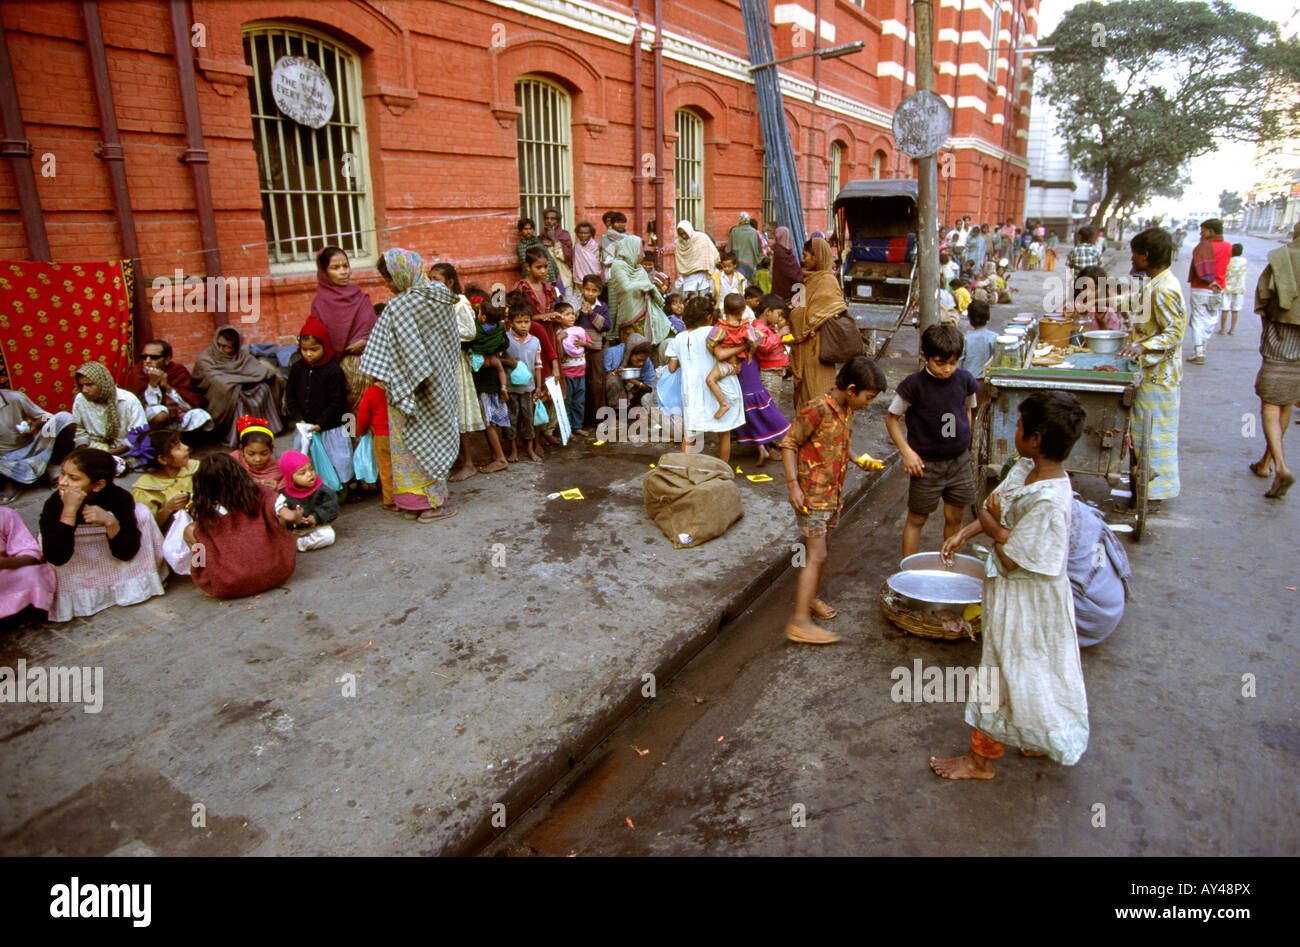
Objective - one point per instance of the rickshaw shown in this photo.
(876, 226)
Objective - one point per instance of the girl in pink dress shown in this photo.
(26, 579)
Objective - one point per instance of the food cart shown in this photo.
(875, 224)
(1106, 386)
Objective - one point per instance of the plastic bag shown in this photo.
(174, 550)
(364, 466)
(668, 391)
(321, 461)
(540, 415)
(520, 374)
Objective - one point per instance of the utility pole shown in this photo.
(927, 174)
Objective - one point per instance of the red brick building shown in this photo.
(447, 118)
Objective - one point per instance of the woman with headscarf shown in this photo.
(413, 350)
(237, 385)
(634, 353)
(347, 314)
(743, 241)
(822, 300)
(697, 258)
(104, 413)
(786, 273)
(635, 302)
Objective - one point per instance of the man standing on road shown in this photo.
(1206, 277)
(1277, 300)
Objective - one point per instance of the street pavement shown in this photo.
(486, 652)
(760, 747)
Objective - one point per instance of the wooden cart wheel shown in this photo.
(1140, 478)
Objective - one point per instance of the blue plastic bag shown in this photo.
(324, 467)
(364, 466)
(668, 391)
(540, 414)
(521, 374)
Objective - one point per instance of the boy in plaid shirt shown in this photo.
(816, 457)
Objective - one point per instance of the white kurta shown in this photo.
(1028, 626)
(698, 404)
(92, 420)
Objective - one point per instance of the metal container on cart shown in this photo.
(1104, 449)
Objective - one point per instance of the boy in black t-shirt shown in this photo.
(935, 405)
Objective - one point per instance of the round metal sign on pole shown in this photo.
(921, 124)
(302, 91)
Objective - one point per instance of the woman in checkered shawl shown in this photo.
(412, 350)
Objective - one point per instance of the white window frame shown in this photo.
(348, 195)
(688, 168)
(544, 148)
(993, 41)
(834, 169)
(878, 160)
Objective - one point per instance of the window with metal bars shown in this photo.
(833, 183)
(312, 180)
(544, 151)
(688, 168)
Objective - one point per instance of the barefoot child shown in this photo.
(930, 422)
(525, 349)
(773, 359)
(1035, 697)
(575, 342)
(724, 340)
(256, 453)
(306, 504)
(816, 457)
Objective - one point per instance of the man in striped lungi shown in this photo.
(1159, 318)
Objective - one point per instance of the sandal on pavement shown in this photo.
(435, 516)
(813, 635)
(822, 611)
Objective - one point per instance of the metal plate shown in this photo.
(921, 124)
(937, 587)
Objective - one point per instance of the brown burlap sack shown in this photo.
(692, 498)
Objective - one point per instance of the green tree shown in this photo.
(1143, 86)
(1229, 203)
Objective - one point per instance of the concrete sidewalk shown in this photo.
(487, 654)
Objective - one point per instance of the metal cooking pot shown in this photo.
(1105, 341)
(629, 373)
(925, 585)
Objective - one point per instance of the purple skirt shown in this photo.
(764, 422)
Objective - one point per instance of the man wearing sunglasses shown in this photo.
(167, 391)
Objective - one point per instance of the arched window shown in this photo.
(833, 182)
(688, 168)
(313, 181)
(878, 161)
(544, 149)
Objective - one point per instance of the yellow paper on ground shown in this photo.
(574, 494)
(597, 443)
(758, 478)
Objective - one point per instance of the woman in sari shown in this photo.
(786, 273)
(697, 257)
(236, 384)
(413, 350)
(1159, 318)
(635, 302)
(822, 300)
(347, 314)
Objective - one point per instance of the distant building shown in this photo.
(1056, 194)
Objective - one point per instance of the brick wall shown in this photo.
(437, 92)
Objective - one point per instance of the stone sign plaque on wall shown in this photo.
(302, 91)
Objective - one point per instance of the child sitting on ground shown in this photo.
(306, 504)
(961, 294)
(27, 581)
(256, 453)
(167, 482)
(372, 416)
(317, 395)
(1037, 699)
(731, 331)
(980, 340)
(576, 342)
(935, 405)
(816, 456)
(773, 359)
